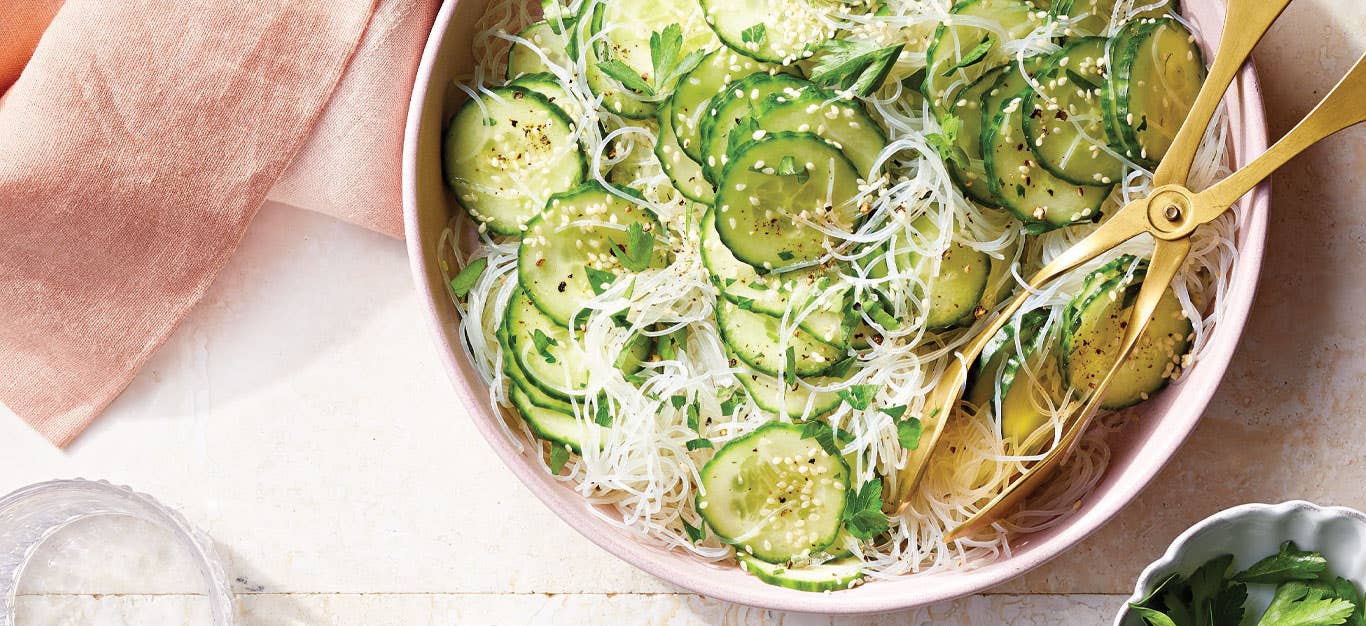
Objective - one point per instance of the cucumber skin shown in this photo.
(756, 568)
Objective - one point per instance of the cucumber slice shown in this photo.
(1094, 325)
(754, 496)
(1001, 283)
(774, 184)
(955, 287)
(685, 173)
(577, 230)
(513, 370)
(1092, 17)
(1066, 124)
(547, 85)
(523, 60)
(845, 573)
(549, 424)
(754, 338)
(774, 294)
(968, 109)
(794, 401)
(1156, 72)
(1001, 371)
(561, 369)
(1007, 83)
(623, 29)
(946, 68)
(777, 31)
(735, 105)
(1040, 199)
(821, 112)
(505, 155)
(695, 90)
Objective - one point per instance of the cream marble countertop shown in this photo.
(299, 416)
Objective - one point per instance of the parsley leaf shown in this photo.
(894, 412)
(863, 514)
(754, 34)
(695, 534)
(849, 65)
(972, 57)
(823, 434)
(598, 279)
(698, 443)
(664, 48)
(635, 255)
(464, 281)
(858, 396)
(1300, 604)
(559, 455)
(908, 433)
(1290, 563)
(626, 76)
(728, 405)
(945, 141)
(543, 342)
(604, 415)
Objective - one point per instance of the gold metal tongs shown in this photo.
(1170, 214)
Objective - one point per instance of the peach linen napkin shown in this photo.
(138, 138)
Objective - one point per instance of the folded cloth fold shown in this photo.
(136, 144)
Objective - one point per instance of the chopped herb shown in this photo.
(743, 302)
(699, 443)
(678, 401)
(559, 455)
(754, 34)
(790, 366)
(1019, 190)
(728, 405)
(695, 534)
(785, 255)
(972, 57)
(543, 342)
(850, 65)
(626, 76)
(863, 516)
(841, 369)
(858, 396)
(557, 15)
(823, 434)
(464, 281)
(944, 142)
(908, 433)
(759, 286)
(598, 279)
(694, 417)
(604, 415)
(639, 247)
(894, 412)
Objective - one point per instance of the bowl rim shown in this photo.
(1230, 515)
(1246, 100)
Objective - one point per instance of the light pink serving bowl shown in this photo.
(1139, 451)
